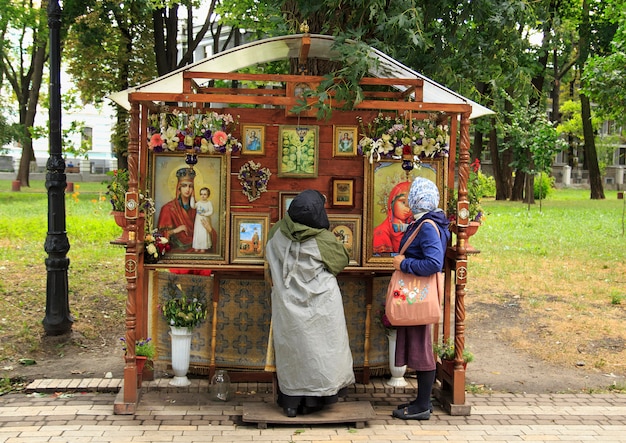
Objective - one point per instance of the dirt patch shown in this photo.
(499, 366)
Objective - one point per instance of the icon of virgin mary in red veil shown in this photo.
(388, 234)
(176, 218)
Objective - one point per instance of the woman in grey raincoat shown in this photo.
(310, 337)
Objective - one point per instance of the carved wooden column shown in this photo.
(458, 395)
(131, 263)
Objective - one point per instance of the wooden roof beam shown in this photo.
(304, 53)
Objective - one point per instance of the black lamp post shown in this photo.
(58, 319)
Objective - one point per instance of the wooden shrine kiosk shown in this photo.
(251, 153)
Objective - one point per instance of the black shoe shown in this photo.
(290, 412)
(405, 415)
(311, 409)
(406, 405)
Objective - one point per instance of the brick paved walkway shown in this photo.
(82, 411)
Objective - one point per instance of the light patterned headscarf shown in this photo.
(423, 196)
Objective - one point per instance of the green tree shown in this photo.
(109, 47)
(535, 141)
(113, 45)
(604, 79)
(23, 52)
(595, 36)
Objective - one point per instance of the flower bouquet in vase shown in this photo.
(183, 314)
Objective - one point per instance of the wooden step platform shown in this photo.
(357, 412)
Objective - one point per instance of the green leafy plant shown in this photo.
(143, 347)
(543, 185)
(117, 188)
(474, 195)
(182, 311)
(445, 351)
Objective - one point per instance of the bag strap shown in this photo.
(414, 234)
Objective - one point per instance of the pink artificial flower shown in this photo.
(155, 141)
(220, 138)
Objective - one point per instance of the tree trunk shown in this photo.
(529, 194)
(517, 193)
(120, 137)
(477, 146)
(501, 169)
(507, 155)
(31, 85)
(164, 23)
(591, 156)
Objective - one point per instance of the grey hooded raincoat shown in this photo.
(310, 338)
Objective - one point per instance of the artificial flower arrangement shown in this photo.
(402, 136)
(182, 311)
(253, 179)
(155, 244)
(474, 195)
(208, 133)
(117, 188)
(143, 347)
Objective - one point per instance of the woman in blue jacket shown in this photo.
(425, 256)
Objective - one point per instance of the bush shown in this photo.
(544, 185)
(487, 185)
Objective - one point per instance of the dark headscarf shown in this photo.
(307, 208)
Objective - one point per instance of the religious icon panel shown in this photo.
(190, 205)
(297, 151)
(388, 212)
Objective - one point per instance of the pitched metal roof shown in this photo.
(287, 47)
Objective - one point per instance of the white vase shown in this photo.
(397, 372)
(181, 348)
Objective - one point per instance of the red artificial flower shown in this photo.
(475, 165)
(406, 150)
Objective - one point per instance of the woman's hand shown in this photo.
(396, 262)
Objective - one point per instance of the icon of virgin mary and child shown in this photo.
(185, 222)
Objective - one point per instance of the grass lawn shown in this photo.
(95, 275)
(563, 264)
